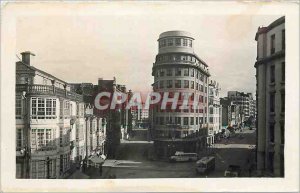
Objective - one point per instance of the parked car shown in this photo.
(232, 171)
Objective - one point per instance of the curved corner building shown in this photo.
(178, 69)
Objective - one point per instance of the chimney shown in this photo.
(26, 57)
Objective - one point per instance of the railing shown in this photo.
(48, 90)
(45, 148)
(181, 62)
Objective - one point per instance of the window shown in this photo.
(185, 121)
(192, 84)
(178, 72)
(52, 168)
(211, 110)
(272, 102)
(192, 72)
(197, 119)
(163, 44)
(186, 84)
(177, 57)
(201, 119)
(273, 44)
(205, 88)
(61, 136)
(201, 99)
(272, 74)
(283, 39)
(42, 139)
(201, 77)
(169, 72)
(178, 42)
(177, 120)
(184, 42)
(283, 102)
(283, 71)
(186, 72)
(190, 43)
(80, 109)
(18, 107)
(170, 42)
(271, 133)
(66, 108)
(211, 119)
(201, 87)
(161, 72)
(42, 108)
(161, 84)
(169, 83)
(177, 83)
(197, 86)
(192, 121)
(19, 139)
(161, 120)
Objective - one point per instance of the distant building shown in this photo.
(95, 124)
(231, 113)
(245, 101)
(140, 117)
(270, 97)
(118, 120)
(50, 125)
(215, 109)
(178, 69)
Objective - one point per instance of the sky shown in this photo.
(83, 48)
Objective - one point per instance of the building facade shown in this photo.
(270, 101)
(105, 127)
(177, 69)
(245, 101)
(50, 125)
(215, 109)
(231, 113)
(94, 123)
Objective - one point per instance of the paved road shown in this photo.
(238, 150)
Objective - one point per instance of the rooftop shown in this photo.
(175, 33)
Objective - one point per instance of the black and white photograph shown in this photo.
(203, 92)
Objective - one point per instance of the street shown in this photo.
(238, 150)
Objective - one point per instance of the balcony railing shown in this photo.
(181, 62)
(37, 89)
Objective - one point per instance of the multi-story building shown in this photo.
(270, 97)
(244, 100)
(95, 124)
(215, 109)
(178, 69)
(253, 108)
(105, 127)
(50, 126)
(231, 113)
(140, 117)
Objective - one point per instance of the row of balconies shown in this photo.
(186, 62)
(48, 90)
